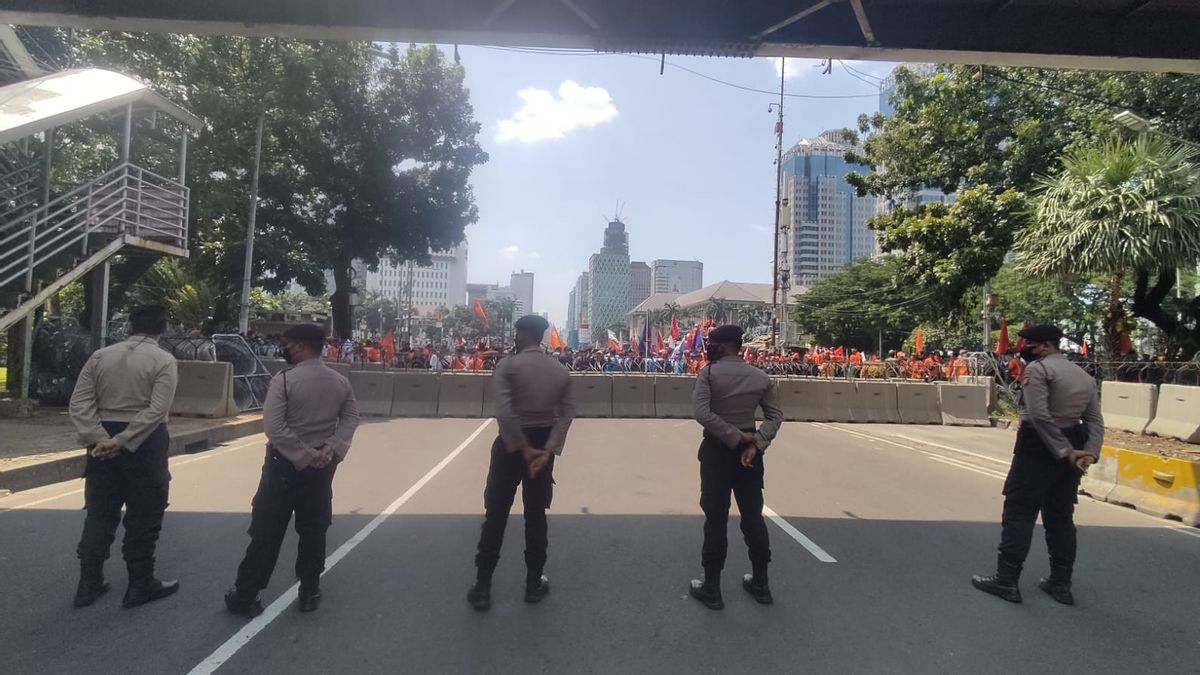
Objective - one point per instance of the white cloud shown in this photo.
(510, 251)
(535, 255)
(545, 116)
(796, 67)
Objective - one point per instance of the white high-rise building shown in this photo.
(442, 283)
(677, 276)
(827, 219)
(521, 284)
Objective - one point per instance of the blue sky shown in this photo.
(691, 160)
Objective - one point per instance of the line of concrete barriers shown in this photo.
(206, 390)
(1169, 410)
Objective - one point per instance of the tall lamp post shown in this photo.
(778, 316)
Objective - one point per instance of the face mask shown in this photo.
(713, 353)
(1028, 355)
(287, 355)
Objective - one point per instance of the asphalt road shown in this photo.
(891, 523)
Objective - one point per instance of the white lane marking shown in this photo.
(177, 462)
(257, 625)
(863, 436)
(976, 455)
(811, 546)
(1189, 531)
(963, 465)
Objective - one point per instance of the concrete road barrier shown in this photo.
(415, 394)
(917, 403)
(633, 396)
(461, 394)
(1128, 406)
(489, 395)
(373, 392)
(1159, 486)
(804, 399)
(343, 368)
(989, 382)
(842, 397)
(205, 390)
(876, 402)
(673, 396)
(964, 405)
(1177, 414)
(1101, 479)
(593, 395)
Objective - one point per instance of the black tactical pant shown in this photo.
(1038, 482)
(137, 480)
(282, 491)
(507, 471)
(721, 472)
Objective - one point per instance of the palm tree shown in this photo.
(718, 310)
(751, 316)
(1124, 205)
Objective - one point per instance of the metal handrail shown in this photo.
(136, 201)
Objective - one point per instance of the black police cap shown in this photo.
(1042, 333)
(532, 324)
(726, 334)
(305, 332)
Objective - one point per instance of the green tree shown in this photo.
(853, 308)
(1119, 207)
(718, 309)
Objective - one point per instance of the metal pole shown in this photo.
(775, 329)
(248, 266)
(126, 133)
(987, 317)
(183, 150)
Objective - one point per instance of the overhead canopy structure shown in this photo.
(1153, 35)
(32, 106)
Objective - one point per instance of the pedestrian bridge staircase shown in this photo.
(44, 247)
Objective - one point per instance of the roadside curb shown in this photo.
(58, 469)
(1167, 487)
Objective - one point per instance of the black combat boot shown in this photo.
(480, 595)
(149, 589)
(1003, 584)
(1058, 584)
(91, 583)
(245, 605)
(536, 589)
(756, 586)
(708, 591)
(310, 596)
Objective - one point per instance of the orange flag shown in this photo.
(482, 314)
(920, 342)
(556, 342)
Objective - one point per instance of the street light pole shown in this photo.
(248, 265)
(778, 318)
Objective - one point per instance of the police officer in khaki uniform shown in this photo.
(728, 393)
(120, 407)
(534, 409)
(310, 417)
(1059, 437)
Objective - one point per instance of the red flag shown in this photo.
(674, 327)
(556, 342)
(659, 345)
(1083, 348)
(1126, 344)
(840, 351)
(920, 341)
(388, 345)
(479, 312)
(1021, 340)
(1004, 345)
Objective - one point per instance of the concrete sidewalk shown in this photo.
(44, 449)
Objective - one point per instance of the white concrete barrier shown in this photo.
(917, 403)
(415, 394)
(964, 405)
(673, 396)
(373, 392)
(1178, 413)
(1128, 406)
(633, 396)
(461, 394)
(205, 390)
(876, 402)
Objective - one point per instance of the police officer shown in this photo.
(309, 417)
(728, 393)
(120, 407)
(1059, 437)
(534, 410)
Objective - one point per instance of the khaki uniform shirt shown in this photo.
(308, 406)
(727, 396)
(533, 390)
(1057, 394)
(132, 381)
